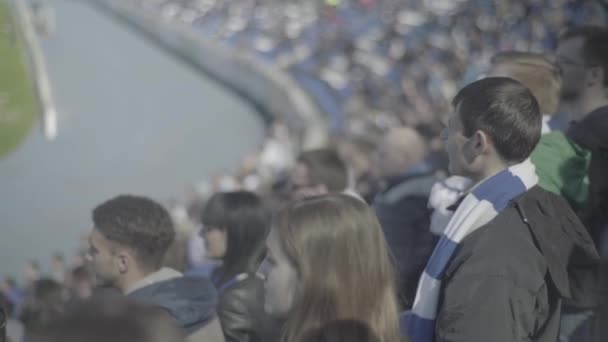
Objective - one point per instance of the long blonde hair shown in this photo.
(336, 245)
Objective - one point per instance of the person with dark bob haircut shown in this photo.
(235, 226)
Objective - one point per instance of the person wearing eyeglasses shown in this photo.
(582, 57)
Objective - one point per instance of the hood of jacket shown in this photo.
(190, 301)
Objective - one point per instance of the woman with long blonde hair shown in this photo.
(327, 260)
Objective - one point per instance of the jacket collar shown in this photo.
(417, 170)
(558, 234)
(163, 274)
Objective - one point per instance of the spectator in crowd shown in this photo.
(42, 306)
(318, 172)
(276, 155)
(13, 293)
(590, 134)
(582, 56)
(235, 226)
(402, 208)
(198, 262)
(356, 153)
(590, 292)
(563, 160)
(58, 267)
(342, 331)
(82, 282)
(327, 260)
(509, 242)
(130, 237)
(562, 164)
(113, 319)
(31, 273)
(12, 327)
(535, 72)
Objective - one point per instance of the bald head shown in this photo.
(400, 149)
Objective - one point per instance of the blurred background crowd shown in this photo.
(385, 73)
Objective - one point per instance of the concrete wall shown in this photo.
(273, 91)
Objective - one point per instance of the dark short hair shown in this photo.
(537, 73)
(506, 111)
(138, 223)
(595, 45)
(246, 221)
(325, 167)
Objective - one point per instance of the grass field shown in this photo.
(18, 103)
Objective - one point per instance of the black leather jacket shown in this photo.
(241, 312)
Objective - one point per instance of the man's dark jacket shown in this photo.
(507, 280)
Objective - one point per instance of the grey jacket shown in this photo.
(190, 301)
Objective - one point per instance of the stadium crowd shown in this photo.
(463, 197)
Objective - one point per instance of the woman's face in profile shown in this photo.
(280, 278)
(215, 242)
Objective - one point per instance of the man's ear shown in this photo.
(476, 145)
(124, 261)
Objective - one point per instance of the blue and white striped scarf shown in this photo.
(479, 207)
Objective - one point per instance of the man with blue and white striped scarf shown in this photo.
(500, 270)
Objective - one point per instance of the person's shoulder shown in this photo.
(183, 284)
(244, 292)
(551, 217)
(540, 195)
(504, 247)
(406, 189)
(534, 234)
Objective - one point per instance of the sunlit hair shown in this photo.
(536, 72)
(336, 245)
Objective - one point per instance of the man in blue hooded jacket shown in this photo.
(130, 237)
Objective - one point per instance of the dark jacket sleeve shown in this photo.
(487, 308)
(235, 318)
(405, 225)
